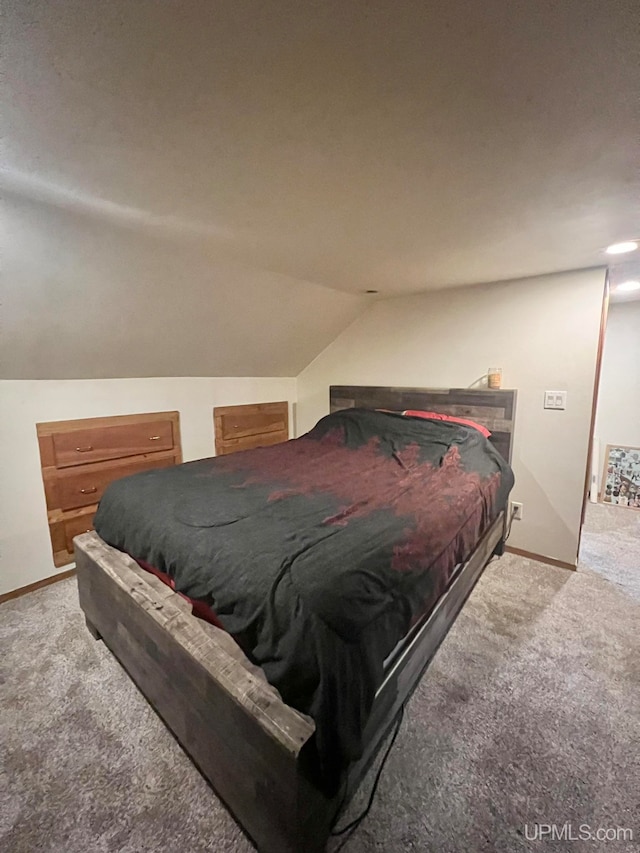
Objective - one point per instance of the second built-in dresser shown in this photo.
(250, 426)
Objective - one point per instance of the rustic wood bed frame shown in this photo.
(251, 746)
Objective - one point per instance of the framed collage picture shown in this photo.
(621, 476)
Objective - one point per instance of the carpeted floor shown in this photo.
(529, 714)
(611, 545)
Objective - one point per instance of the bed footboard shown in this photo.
(245, 740)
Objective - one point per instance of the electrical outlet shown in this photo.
(516, 510)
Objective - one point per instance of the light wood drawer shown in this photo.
(76, 526)
(242, 425)
(111, 442)
(249, 443)
(248, 426)
(85, 486)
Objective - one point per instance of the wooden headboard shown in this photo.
(495, 410)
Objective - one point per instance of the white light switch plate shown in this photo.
(555, 399)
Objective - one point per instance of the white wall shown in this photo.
(618, 414)
(542, 331)
(25, 548)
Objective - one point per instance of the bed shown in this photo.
(337, 574)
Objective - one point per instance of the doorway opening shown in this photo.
(610, 540)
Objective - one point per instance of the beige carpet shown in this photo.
(611, 545)
(529, 714)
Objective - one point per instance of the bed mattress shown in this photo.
(204, 611)
(318, 554)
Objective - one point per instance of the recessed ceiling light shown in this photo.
(622, 248)
(628, 286)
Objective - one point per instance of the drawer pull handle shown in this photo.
(154, 437)
(84, 449)
(88, 491)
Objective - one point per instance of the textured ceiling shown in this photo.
(391, 145)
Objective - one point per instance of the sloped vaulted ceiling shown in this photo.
(85, 297)
(208, 187)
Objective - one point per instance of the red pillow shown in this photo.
(439, 417)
